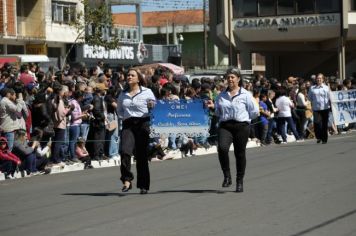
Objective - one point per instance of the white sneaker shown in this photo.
(283, 142)
(60, 164)
(115, 158)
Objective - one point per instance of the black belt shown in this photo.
(234, 122)
(136, 120)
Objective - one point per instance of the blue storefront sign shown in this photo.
(188, 117)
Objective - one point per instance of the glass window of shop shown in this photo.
(326, 6)
(286, 7)
(267, 7)
(2, 50)
(244, 8)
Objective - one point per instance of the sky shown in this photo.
(162, 5)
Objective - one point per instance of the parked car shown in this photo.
(247, 75)
(210, 75)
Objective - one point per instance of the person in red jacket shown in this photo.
(8, 160)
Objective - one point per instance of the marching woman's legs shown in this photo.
(126, 151)
(224, 142)
(141, 134)
(240, 138)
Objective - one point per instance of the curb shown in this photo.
(171, 155)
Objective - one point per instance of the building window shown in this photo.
(54, 52)
(15, 49)
(305, 6)
(244, 8)
(353, 5)
(286, 7)
(326, 6)
(263, 8)
(218, 11)
(63, 12)
(267, 8)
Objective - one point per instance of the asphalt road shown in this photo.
(295, 189)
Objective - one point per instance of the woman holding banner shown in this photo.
(133, 107)
(235, 109)
(319, 96)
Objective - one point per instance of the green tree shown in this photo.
(93, 26)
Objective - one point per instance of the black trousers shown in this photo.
(134, 141)
(236, 133)
(321, 119)
(58, 142)
(99, 142)
(7, 167)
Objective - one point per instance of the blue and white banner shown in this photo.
(188, 117)
(343, 105)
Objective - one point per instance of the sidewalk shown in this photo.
(171, 155)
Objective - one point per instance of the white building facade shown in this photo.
(38, 26)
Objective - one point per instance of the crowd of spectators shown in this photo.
(63, 117)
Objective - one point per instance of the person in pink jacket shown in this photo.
(61, 111)
(83, 154)
(8, 160)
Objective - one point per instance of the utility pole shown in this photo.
(205, 35)
(229, 28)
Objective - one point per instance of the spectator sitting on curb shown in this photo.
(83, 154)
(25, 152)
(8, 161)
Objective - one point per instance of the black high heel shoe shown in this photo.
(227, 182)
(126, 189)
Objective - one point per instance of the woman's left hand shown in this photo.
(150, 104)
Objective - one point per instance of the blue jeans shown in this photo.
(271, 125)
(112, 137)
(202, 140)
(10, 136)
(172, 141)
(283, 129)
(73, 137)
(30, 163)
(84, 130)
(113, 146)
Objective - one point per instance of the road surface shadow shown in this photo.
(325, 223)
(96, 194)
(195, 191)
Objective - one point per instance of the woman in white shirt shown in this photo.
(285, 105)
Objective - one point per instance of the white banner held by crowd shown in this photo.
(343, 104)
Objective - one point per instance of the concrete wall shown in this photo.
(31, 22)
(56, 32)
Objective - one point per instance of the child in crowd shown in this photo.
(8, 161)
(155, 150)
(83, 154)
(186, 145)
